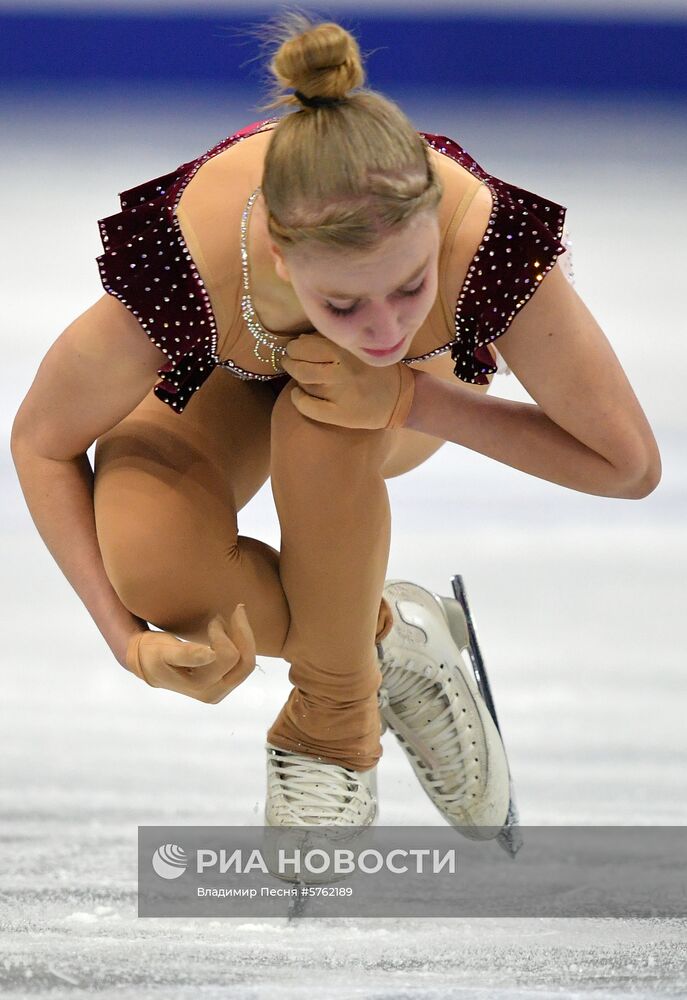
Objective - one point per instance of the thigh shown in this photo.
(168, 485)
(411, 448)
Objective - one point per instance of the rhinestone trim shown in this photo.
(219, 362)
(260, 334)
(539, 221)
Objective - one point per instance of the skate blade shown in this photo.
(462, 630)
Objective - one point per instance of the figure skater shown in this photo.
(313, 300)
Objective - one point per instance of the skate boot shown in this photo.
(430, 700)
(304, 793)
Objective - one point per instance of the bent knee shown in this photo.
(314, 441)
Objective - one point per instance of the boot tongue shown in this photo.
(428, 757)
(406, 707)
(318, 786)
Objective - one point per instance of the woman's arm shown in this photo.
(94, 374)
(586, 430)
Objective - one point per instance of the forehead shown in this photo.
(407, 245)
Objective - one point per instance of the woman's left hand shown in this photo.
(336, 387)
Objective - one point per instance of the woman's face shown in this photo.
(372, 300)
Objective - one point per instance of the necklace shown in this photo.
(260, 334)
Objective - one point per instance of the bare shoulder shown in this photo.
(209, 216)
(215, 193)
(464, 244)
(457, 180)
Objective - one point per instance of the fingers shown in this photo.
(242, 634)
(312, 406)
(206, 672)
(312, 347)
(242, 643)
(235, 648)
(190, 654)
(310, 372)
(227, 652)
(197, 668)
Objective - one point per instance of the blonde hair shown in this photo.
(346, 175)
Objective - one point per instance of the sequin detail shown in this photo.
(147, 265)
(521, 244)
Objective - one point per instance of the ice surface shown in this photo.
(579, 603)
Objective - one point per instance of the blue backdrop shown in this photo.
(581, 54)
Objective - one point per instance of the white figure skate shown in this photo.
(435, 697)
(304, 793)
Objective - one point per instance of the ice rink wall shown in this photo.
(581, 48)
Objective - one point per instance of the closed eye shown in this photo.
(351, 309)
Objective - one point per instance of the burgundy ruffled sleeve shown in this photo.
(522, 242)
(148, 267)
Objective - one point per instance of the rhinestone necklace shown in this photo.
(260, 334)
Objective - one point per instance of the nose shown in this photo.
(382, 330)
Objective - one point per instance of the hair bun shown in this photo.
(318, 60)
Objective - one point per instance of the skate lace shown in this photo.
(444, 748)
(315, 792)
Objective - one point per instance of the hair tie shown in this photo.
(317, 102)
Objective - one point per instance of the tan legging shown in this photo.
(168, 488)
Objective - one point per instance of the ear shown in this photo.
(279, 262)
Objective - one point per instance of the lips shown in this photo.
(389, 350)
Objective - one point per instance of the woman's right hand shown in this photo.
(207, 673)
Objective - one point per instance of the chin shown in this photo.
(381, 362)
(384, 361)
